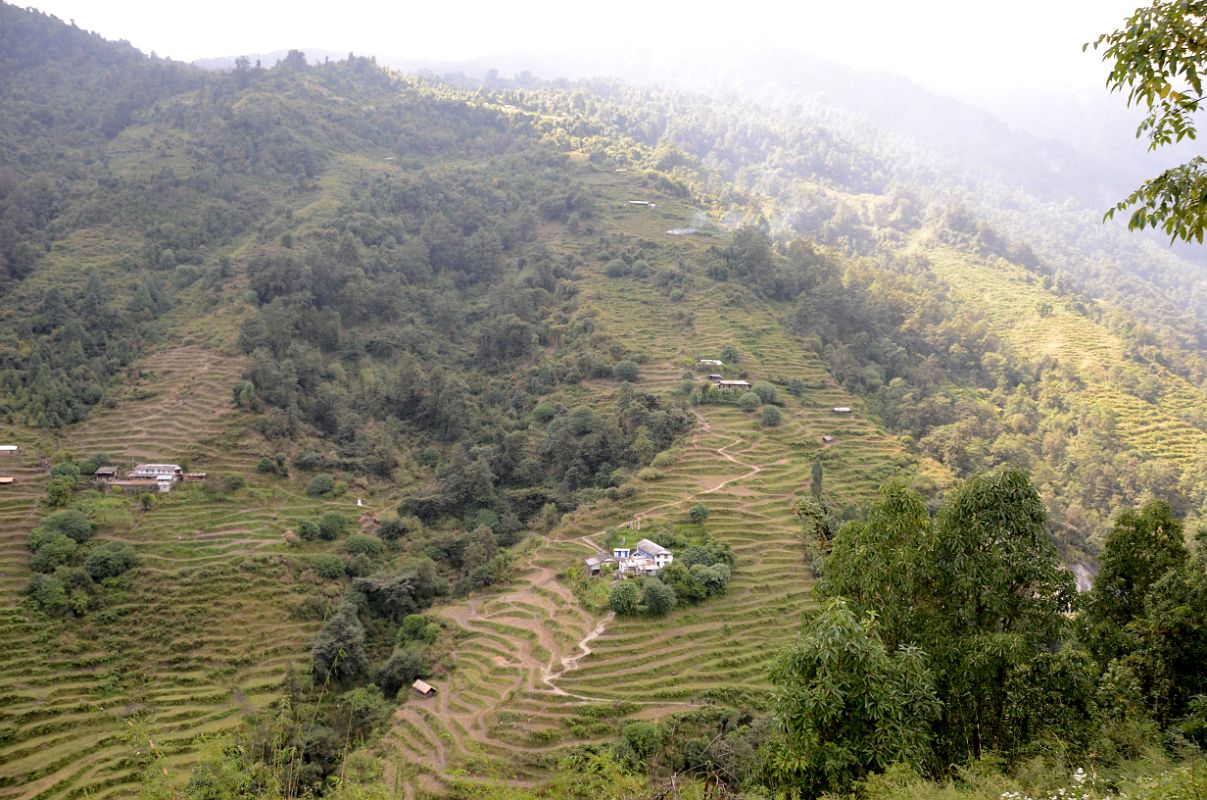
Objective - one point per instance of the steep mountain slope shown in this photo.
(338, 291)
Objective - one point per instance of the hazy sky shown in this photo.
(965, 46)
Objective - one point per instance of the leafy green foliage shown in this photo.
(1158, 58)
(71, 523)
(657, 599)
(109, 559)
(308, 529)
(339, 649)
(847, 706)
(52, 551)
(1140, 549)
(981, 592)
(623, 597)
(1145, 615)
(332, 525)
(48, 592)
(320, 485)
(361, 544)
(626, 371)
(328, 566)
(400, 670)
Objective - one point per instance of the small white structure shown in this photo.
(645, 203)
(9, 449)
(164, 482)
(424, 688)
(711, 362)
(595, 564)
(653, 550)
(723, 384)
(621, 551)
(648, 559)
(842, 409)
(155, 472)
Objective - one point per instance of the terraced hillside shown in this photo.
(535, 672)
(1169, 428)
(198, 633)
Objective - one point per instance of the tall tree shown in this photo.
(846, 705)
(981, 591)
(1140, 549)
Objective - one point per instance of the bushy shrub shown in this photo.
(58, 492)
(698, 513)
(544, 411)
(320, 485)
(48, 592)
(643, 739)
(109, 560)
(71, 523)
(308, 460)
(400, 670)
(52, 551)
(622, 598)
(765, 391)
(616, 268)
(658, 598)
(392, 527)
(663, 459)
(358, 543)
(308, 530)
(328, 566)
(749, 401)
(771, 416)
(332, 525)
(627, 371)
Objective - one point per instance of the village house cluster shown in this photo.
(647, 558)
(717, 378)
(160, 477)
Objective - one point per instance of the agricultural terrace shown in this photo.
(535, 672)
(198, 633)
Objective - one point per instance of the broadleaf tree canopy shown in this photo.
(1159, 57)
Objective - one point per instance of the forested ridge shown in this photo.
(429, 353)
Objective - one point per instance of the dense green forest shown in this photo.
(428, 337)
